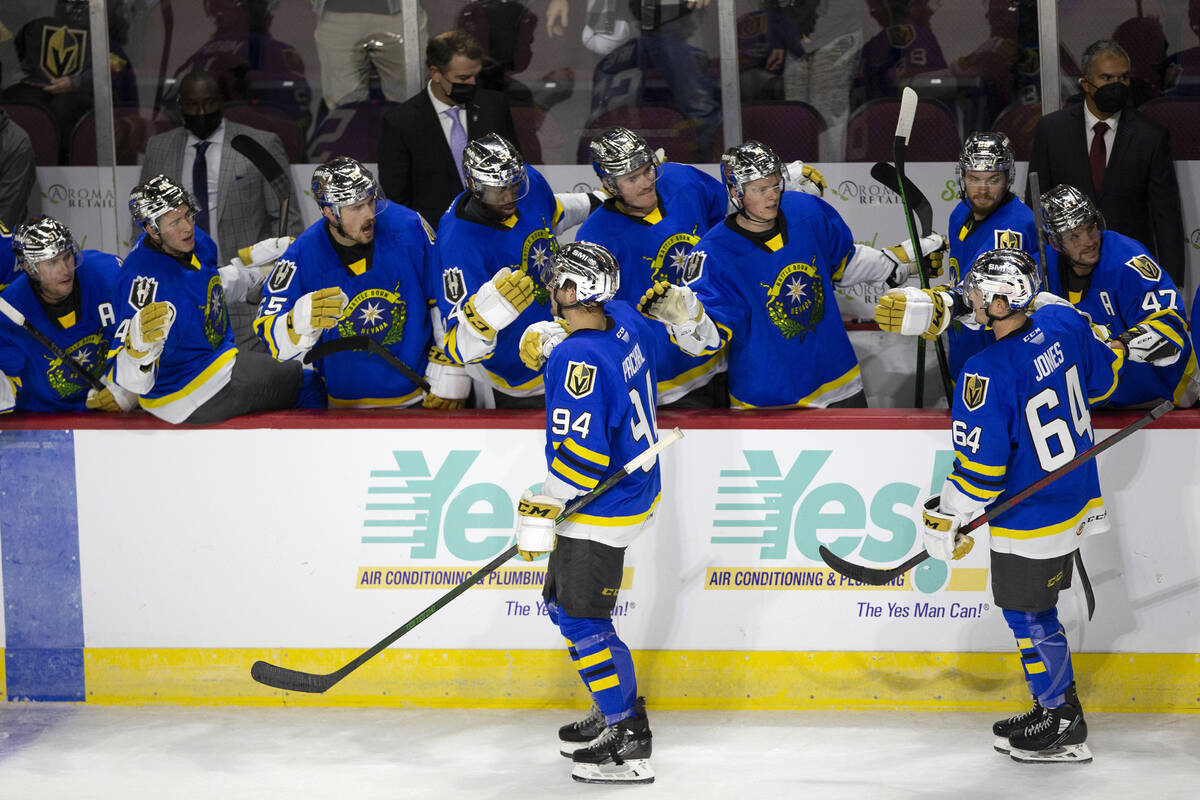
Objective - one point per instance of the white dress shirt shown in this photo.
(1089, 121)
(212, 159)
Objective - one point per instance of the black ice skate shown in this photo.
(1005, 728)
(577, 734)
(620, 754)
(1058, 736)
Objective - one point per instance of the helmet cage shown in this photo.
(749, 162)
(345, 182)
(155, 197)
(985, 152)
(1065, 208)
(1008, 273)
(494, 171)
(619, 152)
(589, 266)
(41, 239)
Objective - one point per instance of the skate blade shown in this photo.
(634, 770)
(1067, 754)
(1001, 745)
(567, 749)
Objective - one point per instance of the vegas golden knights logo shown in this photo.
(581, 379)
(1145, 266)
(1007, 238)
(974, 391)
(62, 50)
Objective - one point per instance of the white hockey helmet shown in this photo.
(343, 182)
(1008, 273)
(748, 162)
(589, 266)
(492, 168)
(41, 239)
(150, 200)
(985, 151)
(619, 151)
(1065, 208)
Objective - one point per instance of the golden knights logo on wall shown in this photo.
(376, 313)
(63, 50)
(796, 301)
(1145, 266)
(974, 391)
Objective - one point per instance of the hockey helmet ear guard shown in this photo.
(150, 200)
(748, 162)
(618, 152)
(1065, 208)
(41, 239)
(987, 151)
(592, 269)
(494, 171)
(1008, 273)
(345, 182)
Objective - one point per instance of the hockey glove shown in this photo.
(498, 302)
(914, 312)
(1147, 345)
(112, 400)
(264, 253)
(536, 515)
(933, 245)
(313, 313)
(8, 394)
(148, 331)
(671, 304)
(540, 339)
(805, 178)
(942, 539)
(449, 383)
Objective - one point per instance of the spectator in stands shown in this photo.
(905, 47)
(1182, 73)
(421, 146)
(17, 174)
(1119, 158)
(350, 41)
(1144, 39)
(504, 30)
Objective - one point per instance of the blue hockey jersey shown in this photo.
(8, 261)
(197, 359)
(600, 399)
(89, 335)
(1010, 225)
(774, 308)
(1021, 410)
(1127, 287)
(387, 302)
(653, 248)
(469, 253)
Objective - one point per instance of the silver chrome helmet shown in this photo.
(985, 151)
(1065, 208)
(41, 239)
(748, 162)
(1008, 273)
(155, 197)
(591, 267)
(492, 167)
(344, 182)
(619, 151)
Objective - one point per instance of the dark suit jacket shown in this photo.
(415, 164)
(1140, 197)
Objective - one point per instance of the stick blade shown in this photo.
(908, 111)
(291, 680)
(257, 155)
(867, 575)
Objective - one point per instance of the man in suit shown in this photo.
(420, 150)
(1118, 157)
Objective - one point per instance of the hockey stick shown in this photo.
(886, 175)
(904, 123)
(361, 344)
(271, 170)
(18, 318)
(1035, 188)
(296, 681)
(878, 577)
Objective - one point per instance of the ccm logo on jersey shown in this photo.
(581, 379)
(143, 291)
(1007, 238)
(974, 391)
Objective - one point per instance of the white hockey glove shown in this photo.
(1146, 345)
(497, 303)
(112, 400)
(313, 313)
(148, 331)
(540, 339)
(449, 383)
(8, 394)
(238, 281)
(902, 256)
(536, 515)
(805, 178)
(264, 253)
(942, 539)
(673, 305)
(915, 312)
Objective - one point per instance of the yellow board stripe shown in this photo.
(604, 683)
(594, 659)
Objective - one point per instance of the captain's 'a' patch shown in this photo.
(974, 390)
(581, 379)
(142, 291)
(1009, 238)
(281, 276)
(454, 288)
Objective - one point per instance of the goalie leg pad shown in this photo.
(1045, 655)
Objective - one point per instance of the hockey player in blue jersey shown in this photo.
(761, 284)
(500, 235)
(1114, 280)
(600, 398)
(1021, 410)
(988, 216)
(362, 270)
(8, 262)
(67, 295)
(190, 370)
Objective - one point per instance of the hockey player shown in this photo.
(1115, 281)
(190, 370)
(363, 269)
(600, 397)
(67, 295)
(500, 235)
(988, 216)
(761, 284)
(1021, 410)
(8, 261)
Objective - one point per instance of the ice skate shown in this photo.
(577, 734)
(1002, 729)
(620, 754)
(1059, 736)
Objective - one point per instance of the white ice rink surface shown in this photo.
(81, 752)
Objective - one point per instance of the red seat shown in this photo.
(133, 127)
(871, 131)
(793, 130)
(1018, 122)
(660, 126)
(1182, 118)
(42, 130)
(351, 130)
(273, 119)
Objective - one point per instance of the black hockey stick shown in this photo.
(271, 170)
(878, 577)
(18, 318)
(886, 174)
(1035, 188)
(292, 680)
(361, 344)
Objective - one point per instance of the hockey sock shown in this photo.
(1045, 654)
(604, 664)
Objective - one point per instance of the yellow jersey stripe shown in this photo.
(972, 489)
(806, 401)
(1049, 530)
(614, 522)
(195, 383)
(366, 402)
(982, 469)
(563, 471)
(583, 452)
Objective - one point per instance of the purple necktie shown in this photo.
(458, 138)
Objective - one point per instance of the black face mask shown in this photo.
(1111, 97)
(462, 93)
(202, 125)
